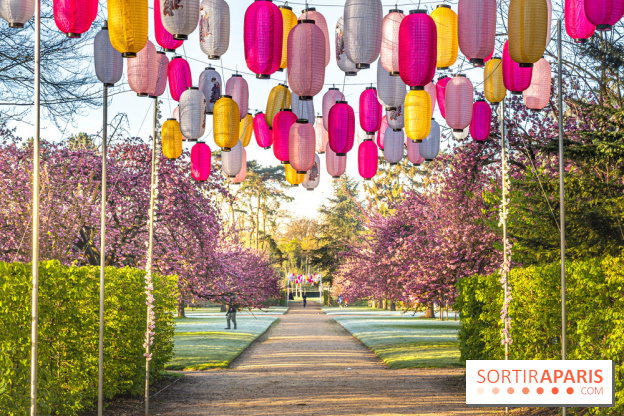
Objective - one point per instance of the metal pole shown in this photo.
(35, 220)
(561, 199)
(102, 256)
(504, 204)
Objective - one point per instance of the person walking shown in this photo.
(230, 315)
(305, 299)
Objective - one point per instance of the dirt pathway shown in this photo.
(308, 365)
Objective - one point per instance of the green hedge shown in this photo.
(595, 315)
(68, 335)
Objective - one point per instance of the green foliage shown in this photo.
(69, 330)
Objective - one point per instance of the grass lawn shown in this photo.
(363, 310)
(403, 342)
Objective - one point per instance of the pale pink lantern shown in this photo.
(390, 41)
(367, 159)
(143, 71)
(306, 59)
(413, 152)
(200, 161)
(329, 99)
(336, 165)
(264, 135)
(481, 120)
(341, 128)
(74, 17)
(301, 143)
(381, 134)
(161, 82)
(321, 135)
(432, 90)
(237, 88)
(163, 37)
(577, 25)
(370, 111)
(458, 102)
(476, 26)
(441, 93)
(179, 74)
(536, 97)
(319, 20)
(240, 177)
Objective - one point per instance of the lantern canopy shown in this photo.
(396, 118)
(162, 64)
(370, 111)
(413, 152)
(179, 74)
(341, 131)
(391, 90)
(417, 48)
(476, 25)
(577, 24)
(394, 146)
(302, 109)
(17, 12)
(493, 85)
(446, 25)
(240, 177)
(319, 20)
(441, 93)
(108, 61)
(481, 120)
(381, 134)
(604, 13)
(306, 59)
(214, 28)
(263, 38)
(515, 78)
(430, 147)
(313, 176)
(210, 84)
(331, 97)
(537, 95)
(237, 88)
(301, 142)
(179, 17)
(163, 37)
(389, 55)
(171, 139)
(363, 21)
(279, 98)
(226, 121)
(200, 161)
(264, 136)
(74, 17)
(127, 24)
(417, 114)
(292, 177)
(289, 20)
(321, 135)
(458, 102)
(528, 28)
(143, 71)
(282, 123)
(336, 165)
(367, 159)
(192, 113)
(246, 129)
(344, 63)
(232, 161)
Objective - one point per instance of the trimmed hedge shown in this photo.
(595, 315)
(69, 331)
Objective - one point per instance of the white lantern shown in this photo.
(344, 63)
(240, 177)
(396, 118)
(393, 145)
(17, 12)
(362, 31)
(179, 17)
(192, 113)
(461, 134)
(210, 85)
(430, 146)
(214, 28)
(232, 161)
(237, 88)
(391, 90)
(108, 61)
(162, 62)
(303, 109)
(313, 176)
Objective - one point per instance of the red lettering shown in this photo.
(532, 375)
(580, 375)
(569, 376)
(558, 374)
(488, 376)
(591, 372)
(506, 374)
(546, 376)
(598, 376)
(516, 371)
(481, 375)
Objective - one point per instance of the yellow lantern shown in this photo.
(171, 139)
(279, 98)
(293, 177)
(246, 129)
(446, 25)
(493, 85)
(528, 28)
(417, 114)
(127, 26)
(226, 119)
(290, 20)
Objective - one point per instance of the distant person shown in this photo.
(340, 302)
(305, 300)
(231, 315)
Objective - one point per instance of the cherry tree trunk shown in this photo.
(429, 313)
(181, 312)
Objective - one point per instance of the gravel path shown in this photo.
(306, 364)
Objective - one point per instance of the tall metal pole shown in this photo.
(504, 215)
(561, 198)
(35, 219)
(102, 256)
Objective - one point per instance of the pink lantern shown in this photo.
(381, 134)
(418, 46)
(329, 99)
(476, 26)
(282, 123)
(74, 17)
(367, 159)
(336, 165)
(458, 102)
(237, 88)
(264, 136)
(319, 20)
(143, 71)
(200, 161)
(413, 152)
(161, 81)
(432, 90)
(441, 93)
(263, 38)
(306, 59)
(604, 13)
(301, 144)
(577, 25)
(240, 177)
(163, 38)
(537, 95)
(321, 135)
(390, 41)
(341, 128)
(515, 77)
(481, 120)
(179, 74)
(370, 111)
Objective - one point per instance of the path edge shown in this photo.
(386, 365)
(258, 339)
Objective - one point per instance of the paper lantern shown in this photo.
(458, 102)
(282, 123)
(417, 114)
(393, 146)
(341, 131)
(370, 111)
(301, 142)
(306, 59)
(143, 71)
(549, 21)
(431, 89)
(336, 165)
(200, 161)
(430, 147)
(460, 135)
(319, 20)
(536, 97)
(237, 88)
(481, 120)
(240, 177)
(226, 121)
(363, 21)
(214, 28)
(279, 98)
(17, 12)
(321, 135)
(179, 74)
(527, 27)
(192, 113)
(344, 63)
(74, 17)
(163, 37)
(246, 129)
(417, 48)
(232, 161)
(367, 159)
(515, 78)
(493, 85)
(476, 26)
(127, 25)
(391, 90)
(289, 20)
(413, 152)
(313, 176)
(264, 136)
(108, 61)
(210, 84)
(396, 118)
(577, 24)
(331, 97)
(604, 13)
(171, 139)
(179, 17)
(292, 177)
(446, 25)
(162, 65)
(441, 93)
(303, 109)
(263, 38)
(381, 134)
(389, 55)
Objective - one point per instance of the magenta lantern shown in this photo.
(536, 97)
(301, 142)
(282, 122)
(143, 71)
(381, 134)
(515, 77)
(74, 17)
(237, 88)
(432, 90)
(458, 102)
(577, 25)
(604, 13)
(418, 48)
(341, 128)
(481, 120)
(476, 28)
(336, 165)
(263, 38)
(200, 161)
(441, 93)
(329, 99)
(370, 111)
(161, 81)
(306, 59)
(413, 152)
(179, 74)
(367, 159)
(264, 135)
(163, 38)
